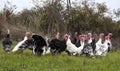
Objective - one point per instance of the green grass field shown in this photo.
(26, 61)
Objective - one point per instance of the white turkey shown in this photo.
(102, 51)
(71, 48)
(99, 42)
(20, 45)
(82, 42)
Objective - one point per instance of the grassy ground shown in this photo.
(26, 61)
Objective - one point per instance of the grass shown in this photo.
(26, 61)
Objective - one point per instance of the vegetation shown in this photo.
(53, 15)
(56, 16)
(26, 61)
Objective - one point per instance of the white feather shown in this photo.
(81, 47)
(72, 48)
(98, 44)
(102, 51)
(16, 48)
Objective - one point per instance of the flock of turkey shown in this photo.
(89, 44)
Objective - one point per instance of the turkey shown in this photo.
(99, 43)
(57, 35)
(56, 45)
(109, 42)
(47, 39)
(7, 43)
(22, 45)
(89, 38)
(82, 42)
(93, 44)
(71, 48)
(102, 51)
(88, 48)
(75, 40)
(39, 45)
